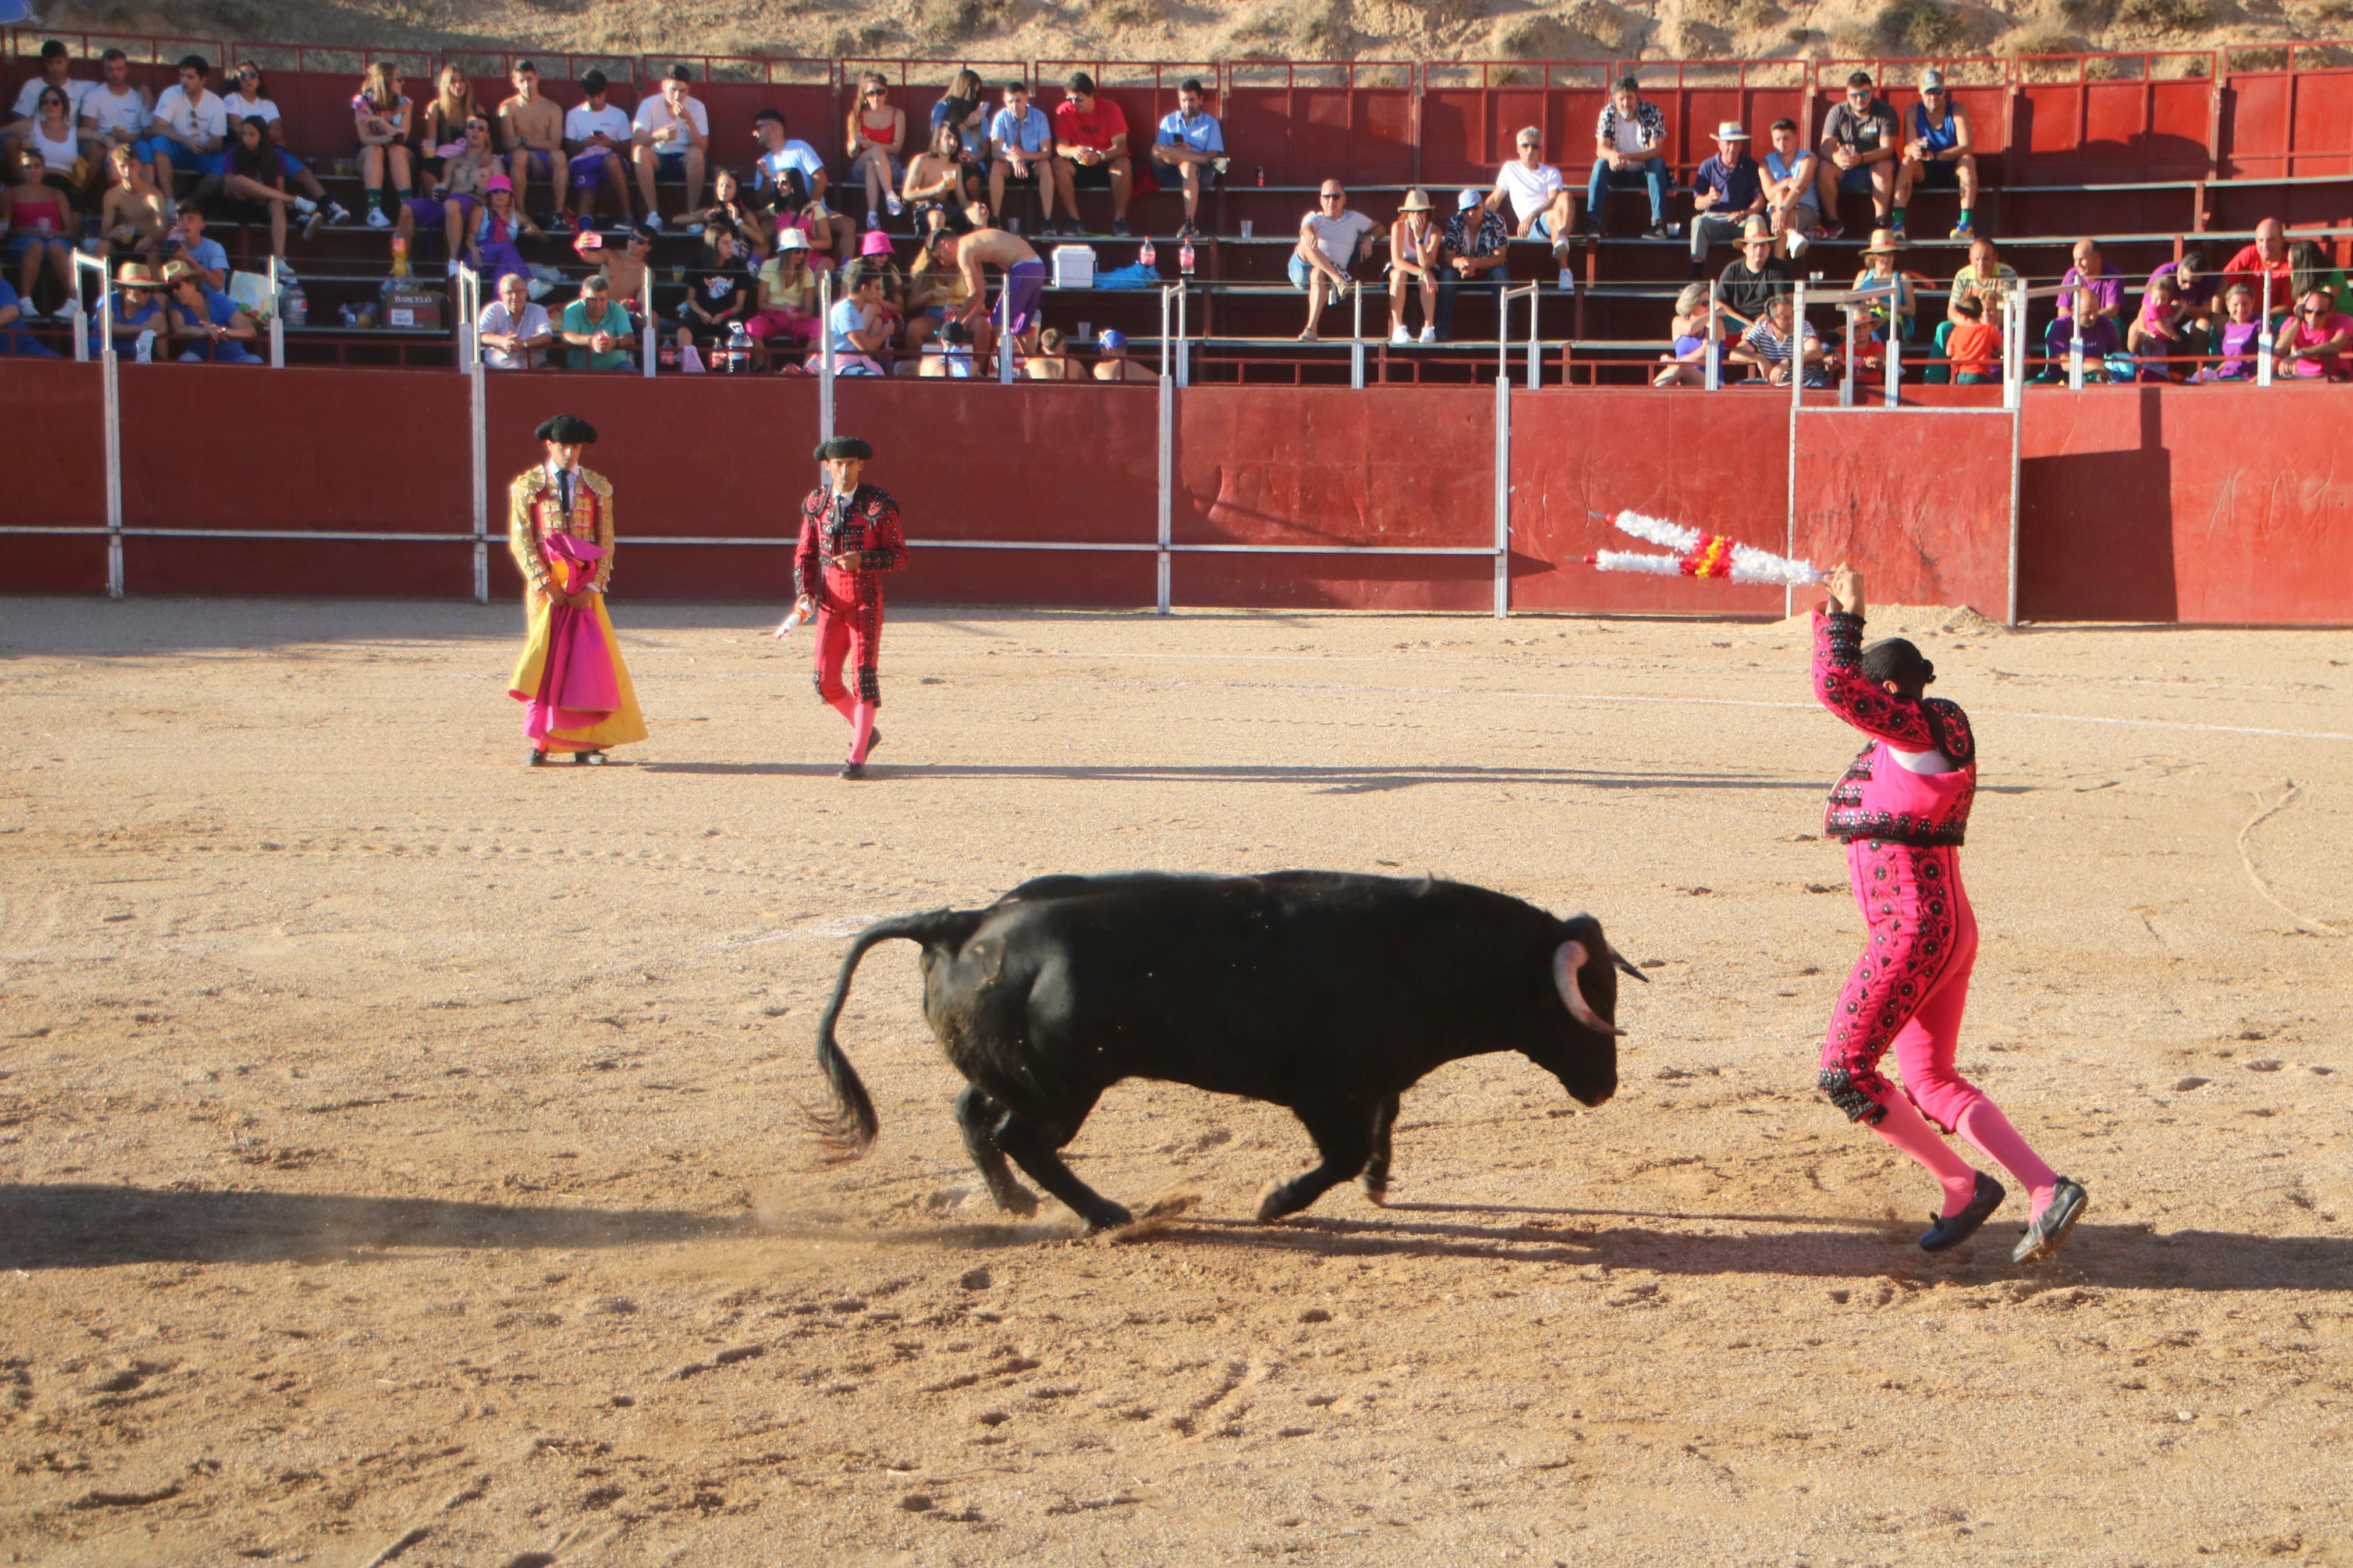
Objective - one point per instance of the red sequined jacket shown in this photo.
(1920, 809)
(870, 532)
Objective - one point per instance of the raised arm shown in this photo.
(1843, 687)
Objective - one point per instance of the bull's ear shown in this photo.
(1566, 960)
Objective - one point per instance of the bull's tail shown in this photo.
(848, 1127)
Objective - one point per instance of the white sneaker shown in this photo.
(895, 204)
(376, 218)
(1429, 335)
(1400, 335)
(1798, 243)
(538, 289)
(453, 269)
(305, 206)
(653, 221)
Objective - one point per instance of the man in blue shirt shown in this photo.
(1189, 142)
(13, 339)
(1726, 190)
(207, 319)
(186, 242)
(1021, 154)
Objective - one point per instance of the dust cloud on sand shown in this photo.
(401, 1160)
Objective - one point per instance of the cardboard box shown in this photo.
(408, 304)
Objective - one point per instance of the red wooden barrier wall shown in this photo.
(1920, 497)
(52, 411)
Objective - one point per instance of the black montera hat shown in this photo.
(1897, 659)
(845, 446)
(567, 429)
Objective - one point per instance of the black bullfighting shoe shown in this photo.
(2051, 1228)
(853, 769)
(1951, 1230)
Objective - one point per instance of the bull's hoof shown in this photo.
(1111, 1216)
(1274, 1202)
(1375, 1192)
(1017, 1201)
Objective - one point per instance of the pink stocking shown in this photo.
(1986, 1129)
(1909, 1131)
(843, 706)
(861, 733)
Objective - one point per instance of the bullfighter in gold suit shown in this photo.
(574, 690)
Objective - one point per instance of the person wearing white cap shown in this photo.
(1728, 189)
(1470, 254)
(1542, 207)
(1938, 155)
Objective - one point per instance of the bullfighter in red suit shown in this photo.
(1902, 810)
(850, 537)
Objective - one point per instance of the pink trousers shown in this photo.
(1907, 989)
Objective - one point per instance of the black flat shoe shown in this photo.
(2051, 1228)
(853, 769)
(534, 759)
(1951, 1230)
(588, 759)
(873, 739)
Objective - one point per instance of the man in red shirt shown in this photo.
(2268, 254)
(1090, 151)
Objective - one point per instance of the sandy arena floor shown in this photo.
(399, 1161)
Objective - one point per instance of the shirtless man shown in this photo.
(131, 217)
(1025, 283)
(531, 128)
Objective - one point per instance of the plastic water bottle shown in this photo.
(739, 350)
(1184, 256)
(1146, 256)
(145, 353)
(298, 306)
(400, 255)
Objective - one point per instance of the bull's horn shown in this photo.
(1618, 959)
(1566, 960)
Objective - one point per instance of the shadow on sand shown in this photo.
(1328, 779)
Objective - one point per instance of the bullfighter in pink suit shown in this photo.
(1902, 810)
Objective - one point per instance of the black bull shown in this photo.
(1328, 992)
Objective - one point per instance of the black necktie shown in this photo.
(565, 475)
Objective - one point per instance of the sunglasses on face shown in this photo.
(1331, 196)
(876, 92)
(478, 125)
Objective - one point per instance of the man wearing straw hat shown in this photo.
(1726, 192)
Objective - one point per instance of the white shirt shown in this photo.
(1630, 134)
(581, 123)
(187, 120)
(1531, 190)
(496, 319)
(28, 96)
(565, 480)
(110, 112)
(1337, 236)
(793, 154)
(654, 117)
(260, 108)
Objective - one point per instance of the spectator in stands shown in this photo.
(1541, 206)
(249, 98)
(671, 135)
(1767, 345)
(1894, 307)
(206, 321)
(597, 327)
(1414, 265)
(116, 112)
(2085, 321)
(1790, 190)
(596, 135)
(816, 228)
(40, 220)
(2310, 268)
(1051, 362)
(935, 184)
(857, 331)
(138, 309)
(1630, 144)
(15, 341)
(441, 125)
(2266, 258)
(950, 355)
(465, 182)
(492, 246)
(130, 218)
(937, 295)
(1973, 346)
(1857, 150)
(1471, 254)
(380, 117)
(2159, 331)
(2092, 272)
(877, 133)
(788, 174)
(256, 184)
(514, 330)
(876, 254)
(186, 242)
(531, 133)
(1189, 151)
(962, 109)
(1758, 277)
(1091, 150)
(2313, 343)
(56, 71)
(1112, 360)
(1021, 154)
(731, 210)
(2197, 290)
(1728, 190)
(56, 135)
(786, 300)
(1021, 304)
(1983, 278)
(1696, 323)
(1939, 154)
(2241, 335)
(189, 129)
(623, 267)
(1330, 239)
(718, 295)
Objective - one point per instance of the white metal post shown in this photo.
(647, 333)
(1714, 336)
(1503, 496)
(469, 364)
(1892, 368)
(1184, 346)
(1846, 386)
(1164, 532)
(1356, 336)
(1535, 354)
(1005, 335)
(1167, 308)
(110, 411)
(2075, 345)
(1797, 406)
(277, 320)
(824, 357)
(2265, 369)
(2013, 344)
